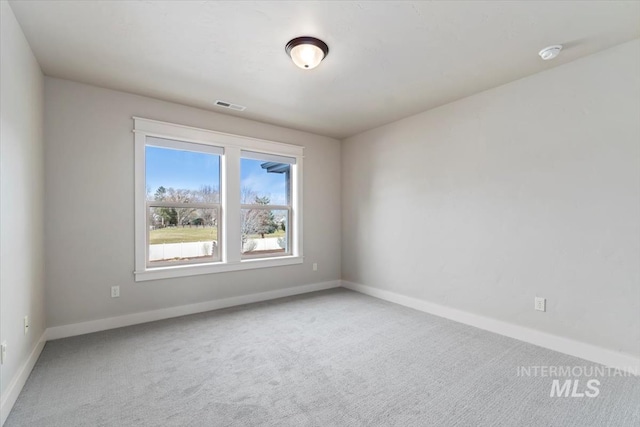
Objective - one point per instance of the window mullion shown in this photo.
(267, 207)
(231, 205)
(178, 205)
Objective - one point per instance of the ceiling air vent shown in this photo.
(230, 105)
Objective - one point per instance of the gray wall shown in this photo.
(531, 188)
(89, 197)
(21, 196)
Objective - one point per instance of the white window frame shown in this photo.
(198, 148)
(229, 227)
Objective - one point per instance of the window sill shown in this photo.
(218, 267)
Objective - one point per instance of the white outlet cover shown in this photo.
(115, 291)
(540, 304)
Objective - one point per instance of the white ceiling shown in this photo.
(387, 60)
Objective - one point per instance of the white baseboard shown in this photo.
(64, 331)
(17, 382)
(614, 359)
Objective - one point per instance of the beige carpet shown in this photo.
(331, 358)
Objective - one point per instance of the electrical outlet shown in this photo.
(315, 266)
(540, 304)
(115, 291)
(26, 325)
(3, 352)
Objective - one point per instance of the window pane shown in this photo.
(264, 182)
(183, 234)
(265, 232)
(182, 176)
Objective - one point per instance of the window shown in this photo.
(266, 204)
(182, 182)
(210, 202)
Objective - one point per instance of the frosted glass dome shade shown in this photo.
(307, 52)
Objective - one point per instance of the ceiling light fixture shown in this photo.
(550, 52)
(307, 52)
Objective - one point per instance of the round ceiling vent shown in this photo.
(550, 52)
